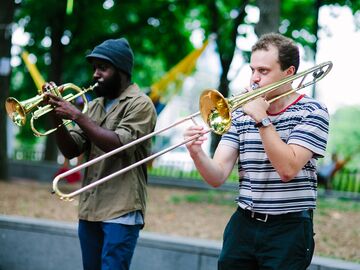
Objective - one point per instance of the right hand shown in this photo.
(194, 146)
(61, 107)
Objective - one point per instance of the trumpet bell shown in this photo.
(17, 110)
(215, 111)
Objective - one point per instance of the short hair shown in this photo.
(288, 51)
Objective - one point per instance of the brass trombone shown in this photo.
(17, 110)
(215, 110)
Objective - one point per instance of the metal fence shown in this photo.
(345, 180)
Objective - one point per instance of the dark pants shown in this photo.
(107, 245)
(285, 243)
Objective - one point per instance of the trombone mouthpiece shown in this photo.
(254, 86)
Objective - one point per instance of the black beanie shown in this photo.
(117, 52)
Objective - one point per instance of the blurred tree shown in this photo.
(344, 138)
(60, 42)
(159, 32)
(7, 8)
(269, 17)
(225, 21)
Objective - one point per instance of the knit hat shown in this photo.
(117, 52)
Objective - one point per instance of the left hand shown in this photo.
(256, 109)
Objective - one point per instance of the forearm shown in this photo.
(286, 159)
(105, 139)
(65, 142)
(209, 169)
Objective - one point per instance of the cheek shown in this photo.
(265, 80)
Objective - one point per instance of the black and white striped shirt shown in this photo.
(304, 123)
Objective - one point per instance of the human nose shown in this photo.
(255, 78)
(96, 74)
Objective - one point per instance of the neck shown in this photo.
(117, 93)
(280, 104)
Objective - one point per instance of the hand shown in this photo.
(256, 109)
(48, 87)
(194, 146)
(62, 108)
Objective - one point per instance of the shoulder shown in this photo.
(134, 93)
(95, 102)
(138, 102)
(310, 104)
(310, 108)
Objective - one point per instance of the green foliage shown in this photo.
(158, 31)
(344, 134)
(175, 173)
(299, 16)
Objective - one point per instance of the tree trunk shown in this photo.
(317, 4)
(57, 56)
(7, 8)
(226, 47)
(269, 17)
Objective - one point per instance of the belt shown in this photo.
(268, 218)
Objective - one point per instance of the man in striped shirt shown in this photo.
(276, 146)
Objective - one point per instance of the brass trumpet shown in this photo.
(17, 110)
(215, 110)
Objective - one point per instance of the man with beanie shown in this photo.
(111, 214)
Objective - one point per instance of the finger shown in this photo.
(54, 97)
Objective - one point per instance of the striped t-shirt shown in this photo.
(304, 123)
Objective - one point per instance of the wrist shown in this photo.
(264, 122)
(195, 154)
(77, 116)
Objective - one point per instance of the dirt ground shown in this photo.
(180, 212)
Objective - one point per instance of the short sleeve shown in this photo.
(312, 131)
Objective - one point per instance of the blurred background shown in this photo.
(180, 48)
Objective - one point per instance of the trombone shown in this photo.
(215, 111)
(17, 110)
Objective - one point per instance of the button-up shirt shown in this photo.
(131, 117)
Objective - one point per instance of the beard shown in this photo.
(109, 87)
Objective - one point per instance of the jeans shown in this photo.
(106, 246)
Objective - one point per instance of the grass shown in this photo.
(343, 181)
(335, 221)
(208, 197)
(227, 198)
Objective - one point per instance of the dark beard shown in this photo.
(110, 87)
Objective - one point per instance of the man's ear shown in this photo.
(290, 71)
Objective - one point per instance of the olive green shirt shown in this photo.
(131, 117)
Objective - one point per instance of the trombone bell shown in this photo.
(215, 111)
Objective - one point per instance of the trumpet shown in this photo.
(18, 110)
(215, 111)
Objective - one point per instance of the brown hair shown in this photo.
(288, 51)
